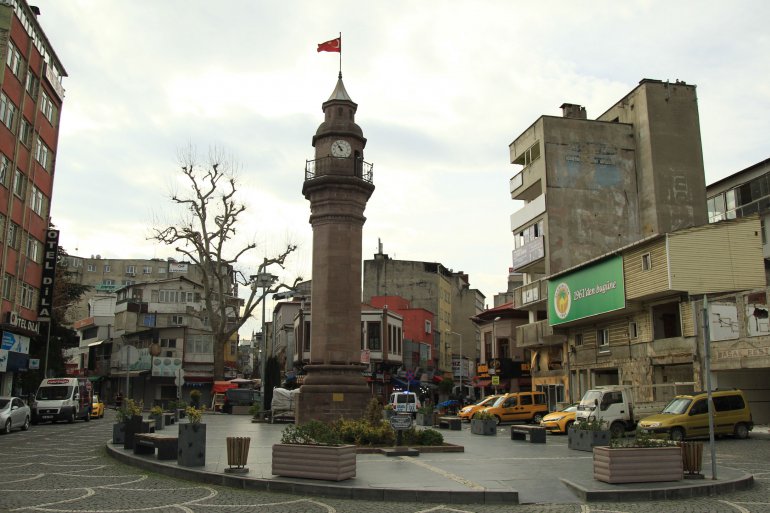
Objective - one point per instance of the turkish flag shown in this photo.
(335, 45)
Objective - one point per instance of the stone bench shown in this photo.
(536, 434)
(453, 423)
(168, 418)
(146, 443)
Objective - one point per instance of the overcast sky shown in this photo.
(442, 87)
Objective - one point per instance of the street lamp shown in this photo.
(264, 281)
(494, 340)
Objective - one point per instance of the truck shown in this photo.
(62, 399)
(620, 407)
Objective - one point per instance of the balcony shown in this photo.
(539, 334)
(531, 296)
(530, 252)
(339, 167)
(528, 213)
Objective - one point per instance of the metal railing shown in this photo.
(338, 167)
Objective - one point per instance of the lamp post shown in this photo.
(263, 280)
(494, 340)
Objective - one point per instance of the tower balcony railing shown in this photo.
(338, 166)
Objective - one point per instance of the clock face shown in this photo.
(341, 148)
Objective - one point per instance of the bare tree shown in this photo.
(205, 235)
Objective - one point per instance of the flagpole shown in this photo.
(340, 54)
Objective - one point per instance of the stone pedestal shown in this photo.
(332, 391)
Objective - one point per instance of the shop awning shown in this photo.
(404, 384)
(482, 383)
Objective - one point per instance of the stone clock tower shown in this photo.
(338, 183)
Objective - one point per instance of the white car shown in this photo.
(13, 414)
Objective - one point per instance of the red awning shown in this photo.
(483, 383)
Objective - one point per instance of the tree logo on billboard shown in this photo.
(562, 300)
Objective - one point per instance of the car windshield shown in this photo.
(487, 400)
(588, 402)
(4, 403)
(95, 399)
(53, 393)
(677, 406)
(571, 407)
(499, 401)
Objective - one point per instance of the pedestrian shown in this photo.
(118, 400)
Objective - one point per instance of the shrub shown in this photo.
(641, 440)
(195, 398)
(431, 437)
(254, 409)
(591, 425)
(311, 433)
(373, 413)
(194, 414)
(156, 410)
(129, 409)
(483, 415)
(425, 410)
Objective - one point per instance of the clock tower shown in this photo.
(338, 183)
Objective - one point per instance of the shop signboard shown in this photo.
(593, 290)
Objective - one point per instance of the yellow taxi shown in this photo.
(560, 421)
(467, 412)
(97, 407)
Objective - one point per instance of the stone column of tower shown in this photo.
(338, 184)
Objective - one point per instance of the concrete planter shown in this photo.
(132, 426)
(484, 427)
(424, 419)
(191, 451)
(158, 418)
(119, 433)
(637, 464)
(326, 462)
(586, 440)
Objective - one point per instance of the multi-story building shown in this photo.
(31, 97)
(435, 288)
(592, 186)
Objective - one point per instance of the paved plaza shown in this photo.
(67, 468)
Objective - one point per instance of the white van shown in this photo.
(62, 399)
(404, 402)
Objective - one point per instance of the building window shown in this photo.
(129, 282)
(27, 295)
(13, 59)
(603, 337)
(33, 84)
(530, 155)
(7, 112)
(108, 282)
(5, 166)
(131, 269)
(34, 249)
(373, 339)
(633, 331)
(578, 339)
(161, 270)
(168, 342)
(428, 327)
(25, 132)
(37, 201)
(13, 235)
(77, 262)
(646, 262)
(42, 153)
(107, 268)
(48, 109)
(91, 268)
(147, 269)
(201, 344)
(177, 320)
(175, 296)
(8, 286)
(19, 183)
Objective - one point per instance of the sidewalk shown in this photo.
(492, 469)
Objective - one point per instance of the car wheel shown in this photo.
(617, 430)
(677, 434)
(7, 428)
(25, 426)
(537, 418)
(568, 425)
(71, 418)
(741, 431)
(498, 420)
(88, 417)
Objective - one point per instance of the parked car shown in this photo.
(466, 413)
(240, 397)
(560, 421)
(517, 406)
(405, 402)
(14, 414)
(97, 407)
(686, 416)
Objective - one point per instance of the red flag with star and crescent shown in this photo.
(334, 45)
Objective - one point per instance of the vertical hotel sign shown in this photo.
(49, 273)
(591, 291)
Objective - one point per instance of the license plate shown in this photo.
(46, 416)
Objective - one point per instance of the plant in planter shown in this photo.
(424, 416)
(484, 423)
(640, 460)
(133, 423)
(585, 435)
(195, 398)
(388, 411)
(191, 443)
(314, 451)
(181, 408)
(156, 414)
(119, 428)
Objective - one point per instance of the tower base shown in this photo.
(332, 391)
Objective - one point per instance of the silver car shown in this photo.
(13, 414)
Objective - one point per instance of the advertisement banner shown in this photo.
(591, 291)
(14, 342)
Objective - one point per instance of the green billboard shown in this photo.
(593, 290)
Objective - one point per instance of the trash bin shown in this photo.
(237, 453)
(692, 459)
